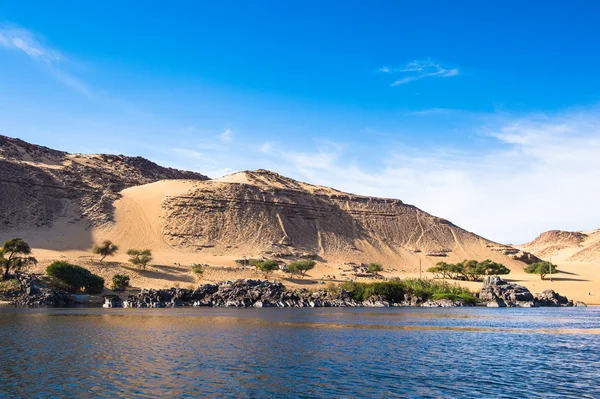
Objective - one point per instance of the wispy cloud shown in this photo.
(417, 70)
(19, 39)
(226, 136)
(266, 147)
(539, 172)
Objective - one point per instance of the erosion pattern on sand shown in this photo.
(261, 212)
(138, 204)
(39, 185)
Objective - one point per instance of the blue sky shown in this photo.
(485, 113)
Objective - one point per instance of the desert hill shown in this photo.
(566, 246)
(64, 201)
(39, 185)
(261, 213)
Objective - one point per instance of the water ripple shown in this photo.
(311, 353)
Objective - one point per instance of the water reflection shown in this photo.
(89, 353)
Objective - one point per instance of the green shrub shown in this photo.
(464, 297)
(76, 278)
(374, 268)
(197, 269)
(9, 286)
(120, 282)
(396, 290)
(140, 257)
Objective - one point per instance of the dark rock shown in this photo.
(499, 293)
(112, 301)
(551, 298)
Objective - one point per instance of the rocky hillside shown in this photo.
(136, 203)
(262, 212)
(38, 184)
(566, 245)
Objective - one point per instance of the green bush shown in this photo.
(396, 290)
(120, 282)
(76, 278)
(374, 268)
(464, 297)
(197, 269)
(140, 257)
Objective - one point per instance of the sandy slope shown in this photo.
(140, 221)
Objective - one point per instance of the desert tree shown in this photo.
(267, 267)
(542, 268)
(106, 248)
(140, 257)
(14, 255)
(301, 266)
(374, 268)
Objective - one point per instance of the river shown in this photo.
(308, 353)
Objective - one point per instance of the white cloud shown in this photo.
(419, 69)
(266, 147)
(540, 173)
(19, 39)
(226, 136)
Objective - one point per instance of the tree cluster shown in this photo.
(468, 270)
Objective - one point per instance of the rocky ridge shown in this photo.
(39, 184)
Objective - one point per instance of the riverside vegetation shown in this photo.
(64, 279)
(468, 270)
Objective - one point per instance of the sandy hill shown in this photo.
(64, 203)
(566, 246)
(39, 186)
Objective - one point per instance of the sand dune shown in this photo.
(62, 204)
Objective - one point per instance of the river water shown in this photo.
(308, 353)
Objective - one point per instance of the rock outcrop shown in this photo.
(255, 293)
(34, 292)
(39, 184)
(499, 293)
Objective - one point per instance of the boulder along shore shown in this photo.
(495, 292)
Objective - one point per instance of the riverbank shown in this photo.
(400, 293)
(32, 290)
